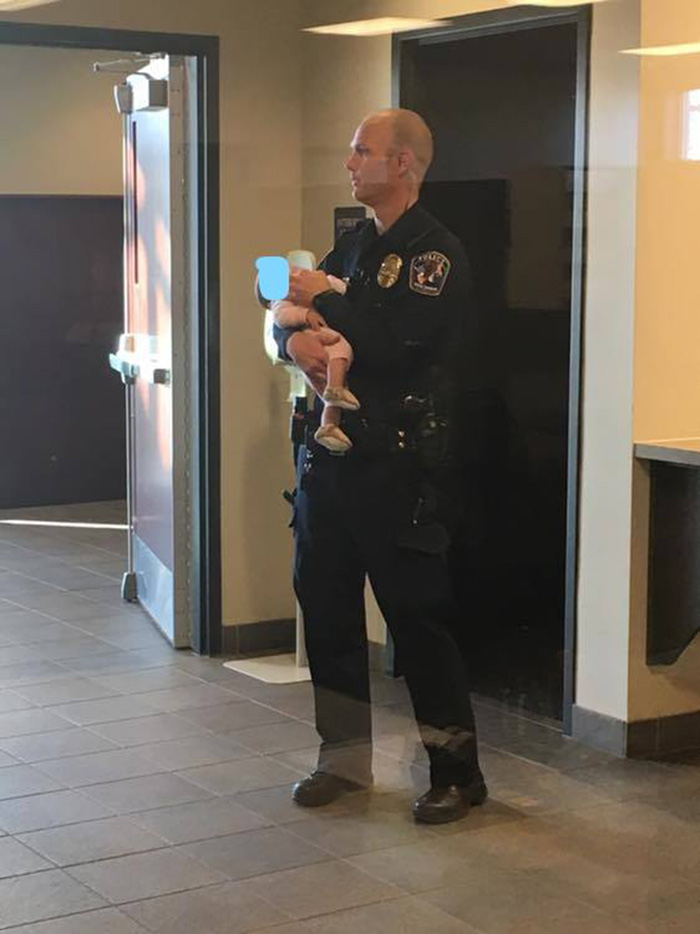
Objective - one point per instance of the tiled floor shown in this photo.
(143, 789)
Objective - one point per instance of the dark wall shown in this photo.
(502, 110)
(62, 426)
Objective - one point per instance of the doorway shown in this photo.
(505, 97)
(193, 395)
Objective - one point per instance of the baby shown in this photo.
(338, 351)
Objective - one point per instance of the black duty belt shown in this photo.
(371, 436)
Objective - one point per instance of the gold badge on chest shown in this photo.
(389, 271)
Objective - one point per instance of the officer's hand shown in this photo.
(315, 320)
(309, 355)
(305, 285)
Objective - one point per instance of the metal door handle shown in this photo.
(126, 368)
(137, 357)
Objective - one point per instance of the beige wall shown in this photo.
(62, 131)
(667, 396)
(667, 349)
(260, 175)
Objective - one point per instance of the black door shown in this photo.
(503, 110)
(61, 408)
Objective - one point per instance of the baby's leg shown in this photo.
(340, 357)
(310, 354)
(330, 417)
(337, 372)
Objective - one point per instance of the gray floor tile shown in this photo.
(219, 909)
(322, 888)
(23, 654)
(107, 710)
(186, 698)
(419, 867)
(237, 715)
(54, 809)
(73, 578)
(301, 708)
(109, 595)
(17, 781)
(255, 852)
(195, 751)
(30, 673)
(99, 767)
(405, 915)
(43, 895)
(80, 645)
(278, 737)
(139, 635)
(208, 669)
(42, 746)
(152, 791)
(62, 606)
(26, 722)
(140, 682)
(276, 804)
(104, 921)
(14, 585)
(65, 692)
(115, 662)
(350, 834)
(514, 905)
(17, 859)
(6, 759)
(145, 875)
(87, 842)
(152, 731)
(202, 820)
(245, 775)
(24, 627)
(114, 622)
(571, 842)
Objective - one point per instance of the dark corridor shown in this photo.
(502, 107)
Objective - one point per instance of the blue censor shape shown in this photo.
(273, 277)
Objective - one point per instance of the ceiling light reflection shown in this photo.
(663, 51)
(64, 525)
(379, 26)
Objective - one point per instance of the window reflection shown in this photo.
(691, 126)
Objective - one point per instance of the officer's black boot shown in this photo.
(443, 804)
(321, 788)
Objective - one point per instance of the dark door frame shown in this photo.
(517, 19)
(207, 625)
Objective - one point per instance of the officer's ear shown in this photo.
(405, 160)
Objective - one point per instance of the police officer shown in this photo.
(384, 508)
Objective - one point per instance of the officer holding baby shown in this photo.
(384, 506)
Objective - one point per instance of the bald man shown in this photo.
(384, 510)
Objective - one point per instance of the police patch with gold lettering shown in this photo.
(429, 273)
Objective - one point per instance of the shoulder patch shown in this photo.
(429, 272)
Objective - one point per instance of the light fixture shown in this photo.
(43, 523)
(664, 51)
(9, 6)
(379, 26)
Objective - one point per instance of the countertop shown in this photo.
(685, 452)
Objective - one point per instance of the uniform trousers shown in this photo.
(353, 519)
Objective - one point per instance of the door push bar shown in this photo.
(131, 364)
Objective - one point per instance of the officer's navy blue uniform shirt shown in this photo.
(411, 336)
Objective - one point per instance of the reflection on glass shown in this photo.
(691, 125)
(379, 26)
